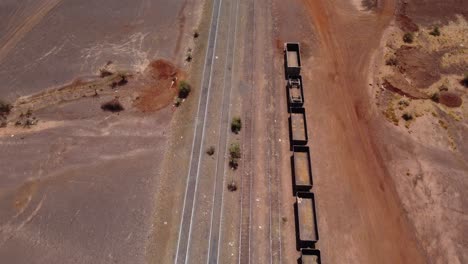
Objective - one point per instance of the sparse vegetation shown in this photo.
(26, 120)
(210, 151)
(236, 124)
(443, 88)
(103, 72)
(232, 186)
(122, 81)
(390, 115)
(443, 124)
(112, 106)
(177, 101)
(184, 89)
(196, 34)
(402, 104)
(408, 37)
(435, 32)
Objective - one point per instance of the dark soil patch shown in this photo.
(403, 21)
(399, 85)
(422, 68)
(425, 12)
(450, 99)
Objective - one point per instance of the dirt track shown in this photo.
(360, 216)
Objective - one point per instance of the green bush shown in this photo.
(184, 89)
(235, 151)
(408, 37)
(236, 124)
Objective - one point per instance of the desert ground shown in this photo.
(100, 164)
(77, 183)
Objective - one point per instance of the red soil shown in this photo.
(450, 99)
(160, 86)
(421, 67)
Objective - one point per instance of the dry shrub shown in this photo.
(210, 151)
(112, 106)
(435, 32)
(232, 186)
(5, 108)
(236, 124)
(407, 116)
(391, 61)
(464, 81)
(408, 37)
(184, 89)
(104, 72)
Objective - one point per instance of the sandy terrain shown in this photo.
(49, 42)
(381, 193)
(427, 157)
(78, 185)
(386, 125)
(360, 216)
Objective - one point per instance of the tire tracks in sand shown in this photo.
(370, 232)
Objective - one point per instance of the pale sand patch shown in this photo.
(13, 131)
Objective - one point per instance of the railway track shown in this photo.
(247, 146)
(255, 63)
(276, 91)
